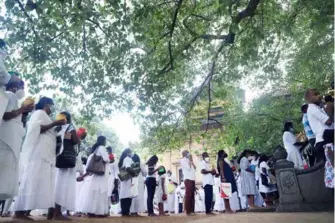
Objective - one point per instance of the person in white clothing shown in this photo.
(319, 121)
(208, 174)
(38, 157)
(171, 190)
(137, 204)
(180, 196)
(268, 191)
(4, 79)
(161, 193)
(248, 182)
(11, 136)
(289, 140)
(188, 168)
(66, 171)
(126, 193)
(95, 191)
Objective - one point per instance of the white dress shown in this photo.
(200, 201)
(125, 187)
(171, 194)
(11, 136)
(293, 153)
(95, 190)
(38, 157)
(66, 183)
(137, 204)
(243, 198)
(79, 185)
(248, 182)
(159, 189)
(113, 171)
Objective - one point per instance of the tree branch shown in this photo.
(169, 65)
(27, 15)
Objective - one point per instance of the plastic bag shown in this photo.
(225, 190)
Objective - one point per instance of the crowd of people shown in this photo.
(318, 124)
(42, 170)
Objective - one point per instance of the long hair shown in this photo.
(262, 158)
(136, 159)
(243, 154)
(152, 161)
(287, 126)
(123, 156)
(68, 117)
(100, 142)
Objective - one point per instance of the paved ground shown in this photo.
(224, 218)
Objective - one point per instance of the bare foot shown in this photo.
(61, 218)
(229, 211)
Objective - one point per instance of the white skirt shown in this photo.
(37, 187)
(95, 195)
(9, 171)
(66, 188)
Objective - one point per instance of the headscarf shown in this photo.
(43, 102)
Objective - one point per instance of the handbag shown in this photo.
(225, 190)
(125, 175)
(67, 157)
(96, 165)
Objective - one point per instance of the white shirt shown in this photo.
(207, 179)
(317, 118)
(188, 171)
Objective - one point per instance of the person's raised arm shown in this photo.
(13, 114)
(45, 128)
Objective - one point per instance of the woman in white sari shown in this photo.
(38, 157)
(11, 136)
(95, 191)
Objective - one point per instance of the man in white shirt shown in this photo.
(207, 181)
(188, 169)
(318, 120)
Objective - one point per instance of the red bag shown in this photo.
(164, 197)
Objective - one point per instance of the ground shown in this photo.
(224, 218)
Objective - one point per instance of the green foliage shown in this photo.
(158, 59)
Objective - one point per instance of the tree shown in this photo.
(158, 59)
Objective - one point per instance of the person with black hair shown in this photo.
(289, 141)
(248, 182)
(126, 193)
(318, 120)
(11, 136)
(65, 187)
(151, 184)
(268, 191)
(226, 176)
(137, 204)
(37, 160)
(95, 201)
(208, 174)
(329, 106)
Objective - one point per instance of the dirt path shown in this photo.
(224, 218)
